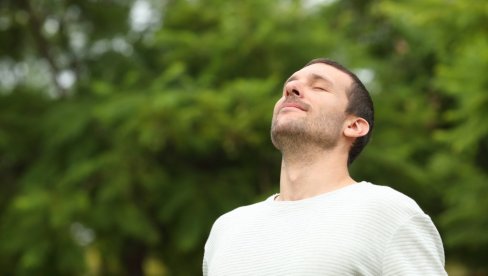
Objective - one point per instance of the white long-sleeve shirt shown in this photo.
(361, 229)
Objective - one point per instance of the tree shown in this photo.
(123, 137)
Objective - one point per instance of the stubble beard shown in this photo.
(298, 134)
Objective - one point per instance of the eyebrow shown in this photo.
(315, 77)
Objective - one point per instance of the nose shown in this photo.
(292, 88)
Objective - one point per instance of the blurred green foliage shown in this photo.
(128, 127)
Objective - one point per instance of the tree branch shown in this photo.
(42, 44)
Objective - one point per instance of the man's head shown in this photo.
(322, 103)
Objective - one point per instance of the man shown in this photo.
(323, 222)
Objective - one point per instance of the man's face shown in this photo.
(312, 108)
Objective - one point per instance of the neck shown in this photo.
(313, 171)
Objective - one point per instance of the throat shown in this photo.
(311, 174)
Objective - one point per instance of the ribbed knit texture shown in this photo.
(361, 229)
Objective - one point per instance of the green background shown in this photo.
(128, 127)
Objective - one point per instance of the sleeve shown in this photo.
(204, 267)
(415, 249)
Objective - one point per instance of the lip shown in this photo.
(292, 105)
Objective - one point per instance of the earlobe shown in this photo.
(356, 127)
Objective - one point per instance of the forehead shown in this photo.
(336, 78)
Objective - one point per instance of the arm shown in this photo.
(415, 249)
(204, 266)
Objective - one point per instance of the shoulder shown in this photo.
(382, 207)
(238, 215)
(409, 234)
(387, 200)
(229, 223)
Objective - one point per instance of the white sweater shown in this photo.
(361, 229)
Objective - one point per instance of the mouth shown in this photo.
(293, 105)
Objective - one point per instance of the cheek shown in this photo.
(275, 109)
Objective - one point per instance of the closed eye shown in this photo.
(320, 88)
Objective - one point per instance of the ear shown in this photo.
(356, 127)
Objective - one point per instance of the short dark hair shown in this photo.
(360, 104)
